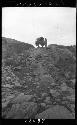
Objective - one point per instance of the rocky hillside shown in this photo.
(12, 47)
(38, 82)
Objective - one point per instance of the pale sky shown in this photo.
(57, 24)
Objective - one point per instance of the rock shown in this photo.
(44, 94)
(37, 83)
(71, 91)
(43, 104)
(4, 104)
(8, 78)
(29, 78)
(34, 83)
(55, 112)
(46, 80)
(54, 92)
(8, 86)
(36, 79)
(25, 86)
(13, 111)
(69, 94)
(73, 81)
(48, 106)
(37, 86)
(21, 98)
(67, 74)
(9, 97)
(31, 110)
(17, 84)
(47, 100)
(6, 101)
(48, 87)
(22, 111)
(71, 98)
(53, 84)
(72, 107)
(27, 74)
(63, 87)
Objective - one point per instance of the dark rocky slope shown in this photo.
(38, 82)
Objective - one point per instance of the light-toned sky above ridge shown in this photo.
(57, 24)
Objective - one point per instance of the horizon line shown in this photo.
(35, 45)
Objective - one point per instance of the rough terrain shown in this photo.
(38, 82)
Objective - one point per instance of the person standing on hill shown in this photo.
(41, 41)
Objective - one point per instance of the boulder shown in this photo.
(55, 112)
